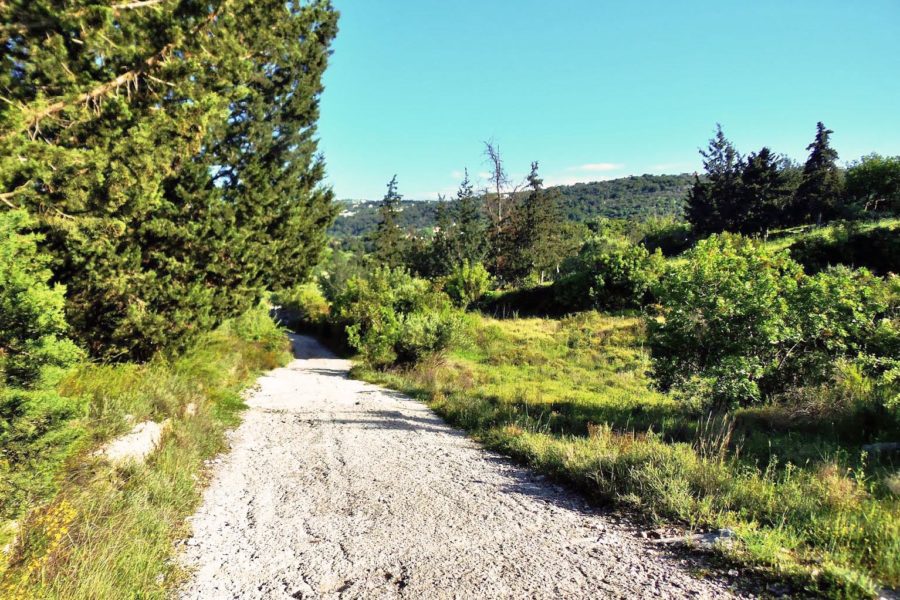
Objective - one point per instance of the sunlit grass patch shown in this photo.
(572, 398)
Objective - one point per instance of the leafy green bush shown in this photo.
(611, 274)
(668, 235)
(391, 317)
(302, 307)
(873, 184)
(467, 283)
(741, 322)
(32, 321)
(849, 244)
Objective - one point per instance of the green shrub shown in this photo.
(467, 283)
(302, 307)
(38, 426)
(741, 322)
(873, 184)
(877, 249)
(669, 236)
(611, 274)
(32, 321)
(391, 317)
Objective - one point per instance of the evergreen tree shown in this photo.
(819, 195)
(442, 256)
(471, 239)
(543, 235)
(764, 193)
(389, 239)
(712, 201)
(168, 153)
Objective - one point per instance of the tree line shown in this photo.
(520, 232)
(764, 190)
(517, 231)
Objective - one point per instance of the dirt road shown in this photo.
(337, 488)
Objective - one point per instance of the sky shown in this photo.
(597, 89)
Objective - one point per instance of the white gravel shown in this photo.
(338, 488)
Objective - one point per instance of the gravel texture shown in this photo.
(338, 488)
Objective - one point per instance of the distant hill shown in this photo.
(635, 197)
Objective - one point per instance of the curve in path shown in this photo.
(338, 488)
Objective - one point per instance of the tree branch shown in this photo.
(32, 121)
(5, 196)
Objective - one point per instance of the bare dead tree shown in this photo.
(499, 182)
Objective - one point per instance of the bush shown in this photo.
(609, 274)
(873, 184)
(669, 236)
(877, 249)
(390, 317)
(302, 307)
(467, 283)
(32, 321)
(741, 322)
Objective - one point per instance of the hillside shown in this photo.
(627, 197)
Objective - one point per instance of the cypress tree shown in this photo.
(819, 195)
(543, 226)
(442, 255)
(167, 151)
(389, 246)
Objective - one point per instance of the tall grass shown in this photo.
(571, 398)
(107, 531)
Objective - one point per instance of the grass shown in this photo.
(571, 398)
(785, 238)
(106, 531)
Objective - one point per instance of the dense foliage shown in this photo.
(741, 323)
(168, 152)
(875, 248)
(391, 317)
(32, 323)
(873, 184)
(609, 273)
(764, 191)
(467, 283)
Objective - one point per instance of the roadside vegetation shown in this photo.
(738, 371)
(140, 238)
(79, 526)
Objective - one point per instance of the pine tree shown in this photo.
(540, 226)
(712, 201)
(471, 239)
(821, 188)
(442, 252)
(389, 239)
(764, 192)
(168, 153)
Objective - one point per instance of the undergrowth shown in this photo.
(97, 530)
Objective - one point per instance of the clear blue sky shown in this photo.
(596, 89)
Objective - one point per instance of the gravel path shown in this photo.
(338, 488)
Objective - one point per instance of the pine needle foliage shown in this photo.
(167, 150)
